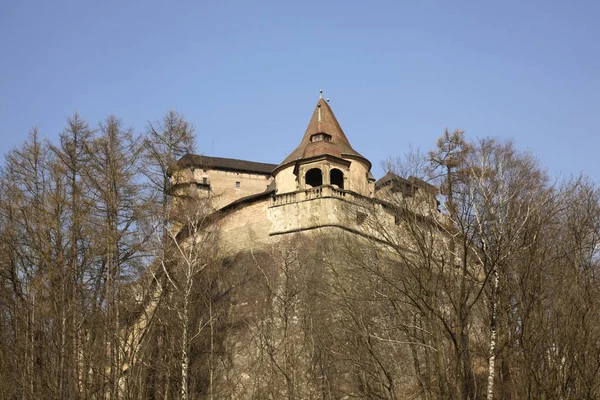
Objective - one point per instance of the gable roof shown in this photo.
(324, 123)
(227, 164)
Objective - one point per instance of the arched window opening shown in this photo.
(336, 177)
(314, 178)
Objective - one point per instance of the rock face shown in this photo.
(287, 234)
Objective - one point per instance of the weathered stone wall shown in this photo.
(271, 305)
(259, 223)
(245, 228)
(222, 186)
(327, 206)
(358, 180)
(316, 209)
(285, 180)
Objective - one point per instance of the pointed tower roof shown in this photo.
(323, 121)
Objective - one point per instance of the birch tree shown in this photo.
(507, 189)
(186, 256)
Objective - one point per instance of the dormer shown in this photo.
(320, 137)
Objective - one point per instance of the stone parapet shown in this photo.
(311, 208)
(310, 194)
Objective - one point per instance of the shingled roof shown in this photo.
(228, 164)
(327, 123)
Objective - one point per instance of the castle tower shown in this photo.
(324, 158)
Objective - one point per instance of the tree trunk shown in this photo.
(184, 349)
(493, 338)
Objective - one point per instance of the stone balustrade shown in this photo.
(310, 194)
(285, 198)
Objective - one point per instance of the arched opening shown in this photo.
(314, 178)
(336, 177)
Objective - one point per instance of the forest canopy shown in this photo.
(99, 299)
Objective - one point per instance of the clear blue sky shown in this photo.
(247, 74)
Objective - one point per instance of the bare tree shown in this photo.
(166, 142)
(121, 204)
(492, 292)
(506, 189)
(182, 260)
(26, 184)
(71, 161)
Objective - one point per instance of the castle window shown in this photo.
(314, 178)
(336, 177)
(238, 184)
(320, 137)
(205, 181)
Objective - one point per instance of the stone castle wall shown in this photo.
(259, 222)
(224, 187)
(245, 228)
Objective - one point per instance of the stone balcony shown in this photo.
(318, 192)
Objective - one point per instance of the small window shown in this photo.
(205, 181)
(320, 137)
(238, 184)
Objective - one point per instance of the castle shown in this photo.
(306, 191)
(274, 225)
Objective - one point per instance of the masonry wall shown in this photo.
(306, 214)
(223, 187)
(255, 279)
(358, 180)
(260, 223)
(246, 228)
(286, 180)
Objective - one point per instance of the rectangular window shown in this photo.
(238, 184)
(205, 181)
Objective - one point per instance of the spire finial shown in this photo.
(319, 105)
(319, 112)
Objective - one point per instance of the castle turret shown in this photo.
(324, 157)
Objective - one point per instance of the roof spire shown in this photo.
(321, 93)
(323, 121)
